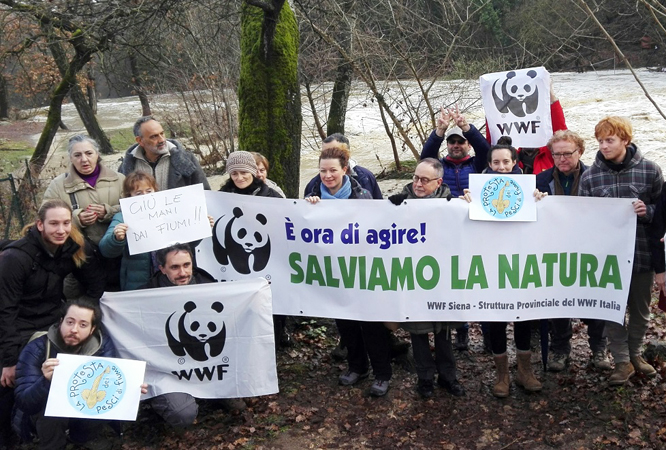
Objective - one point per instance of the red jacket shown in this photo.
(544, 159)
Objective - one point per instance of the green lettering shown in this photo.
(347, 272)
(330, 279)
(456, 283)
(477, 273)
(610, 274)
(427, 261)
(378, 275)
(402, 274)
(298, 275)
(531, 272)
(588, 265)
(568, 278)
(549, 259)
(508, 271)
(313, 272)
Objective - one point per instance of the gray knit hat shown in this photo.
(241, 161)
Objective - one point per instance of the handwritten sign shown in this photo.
(90, 387)
(157, 220)
(500, 197)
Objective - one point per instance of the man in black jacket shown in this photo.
(32, 270)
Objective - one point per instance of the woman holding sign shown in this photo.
(362, 339)
(502, 159)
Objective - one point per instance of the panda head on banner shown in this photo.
(517, 92)
(241, 239)
(198, 331)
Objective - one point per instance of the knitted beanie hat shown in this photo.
(241, 161)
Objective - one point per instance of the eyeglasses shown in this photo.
(456, 141)
(566, 155)
(423, 180)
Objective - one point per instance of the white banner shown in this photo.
(209, 340)
(92, 387)
(517, 104)
(425, 260)
(157, 220)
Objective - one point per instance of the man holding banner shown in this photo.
(428, 184)
(620, 171)
(563, 179)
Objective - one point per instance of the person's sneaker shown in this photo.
(557, 362)
(462, 339)
(643, 367)
(379, 388)
(350, 377)
(600, 360)
(454, 387)
(425, 388)
(623, 371)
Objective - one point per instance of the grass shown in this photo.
(406, 172)
(121, 139)
(12, 155)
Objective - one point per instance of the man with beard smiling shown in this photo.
(77, 333)
(165, 159)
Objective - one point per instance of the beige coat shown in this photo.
(107, 192)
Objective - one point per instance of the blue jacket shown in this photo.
(456, 176)
(32, 389)
(362, 175)
(135, 270)
(544, 180)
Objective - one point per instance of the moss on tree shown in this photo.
(269, 93)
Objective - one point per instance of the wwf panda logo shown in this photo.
(197, 330)
(519, 93)
(243, 242)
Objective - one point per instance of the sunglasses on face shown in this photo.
(456, 141)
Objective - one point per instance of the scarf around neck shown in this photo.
(343, 193)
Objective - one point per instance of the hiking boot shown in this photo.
(601, 361)
(525, 375)
(425, 388)
(643, 367)
(339, 353)
(462, 339)
(623, 371)
(350, 377)
(379, 388)
(501, 388)
(454, 387)
(557, 362)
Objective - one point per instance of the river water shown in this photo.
(585, 97)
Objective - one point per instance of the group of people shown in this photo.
(52, 278)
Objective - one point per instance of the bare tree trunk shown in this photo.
(4, 99)
(138, 86)
(78, 98)
(343, 77)
(91, 91)
(620, 55)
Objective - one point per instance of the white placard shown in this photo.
(502, 197)
(517, 104)
(157, 220)
(211, 340)
(91, 387)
